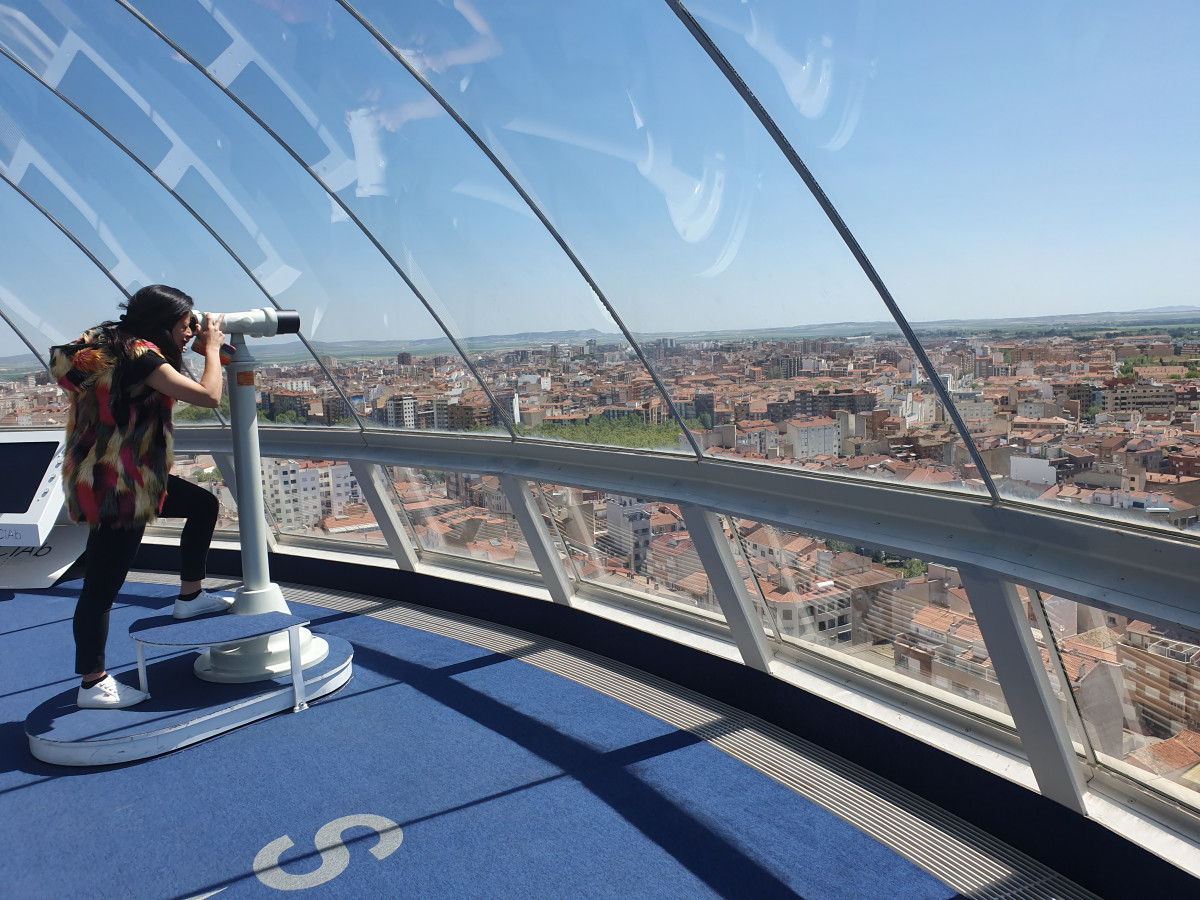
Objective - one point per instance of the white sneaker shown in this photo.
(109, 694)
(203, 603)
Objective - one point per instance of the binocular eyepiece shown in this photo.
(265, 322)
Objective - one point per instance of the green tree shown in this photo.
(625, 431)
(914, 568)
(202, 413)
(193, 414)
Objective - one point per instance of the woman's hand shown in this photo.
(210, 336)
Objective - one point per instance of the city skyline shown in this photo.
(274, 349)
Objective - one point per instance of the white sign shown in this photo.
(25, 568)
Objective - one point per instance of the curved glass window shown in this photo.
(33, 293)
(1022, 179)
(131, 228)
(702, 237)
(402, 171)
(297, 247)
(567, 223)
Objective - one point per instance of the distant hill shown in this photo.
(274, 351)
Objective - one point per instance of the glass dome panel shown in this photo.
(699, 232)
(638, 546)
(431, 200)
(633, 145)
(36, 282)
(266, 208)
(113, 208)
(902, 618)
(1129, 679)
(1022, 178)
(460, 514)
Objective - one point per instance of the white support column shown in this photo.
(224, 463)
(258, 593)
(258, 658)
(373, 483)
(1035, 709)
(541, 543)
(708, 536)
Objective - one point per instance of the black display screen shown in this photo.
(22, 466)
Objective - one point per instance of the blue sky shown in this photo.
(993, 159)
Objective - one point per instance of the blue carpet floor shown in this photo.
(488, 777)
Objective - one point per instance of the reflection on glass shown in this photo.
(460, 514)
(317, 498)
(298, 245)
(910, 618)
(96, 193)
(1135, 685)
(1060, 334)
(716, 255)
(201, 469)
(633, 544)
(702, 238)
(401, 169)
(1060, 670)
(86, 71)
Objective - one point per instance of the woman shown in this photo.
(123, 378)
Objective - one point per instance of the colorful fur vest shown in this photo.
(117, 460)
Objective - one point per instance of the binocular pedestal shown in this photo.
(261, 658)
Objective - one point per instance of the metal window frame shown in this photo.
(1116, 565)
(994, 547)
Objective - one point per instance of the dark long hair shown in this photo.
(150, 315)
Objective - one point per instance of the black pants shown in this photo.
(109, 556)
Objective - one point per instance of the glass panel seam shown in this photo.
(536, 210)
(1060, 670)
(735, 80)
(237, 259)
(66, 233)
(387, 256)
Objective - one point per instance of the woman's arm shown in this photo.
(207, 391)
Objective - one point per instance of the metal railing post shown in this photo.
(708, 536)
(1035, 709)
(372, 483)
(541, 544)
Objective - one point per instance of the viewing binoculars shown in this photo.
(264, 322)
